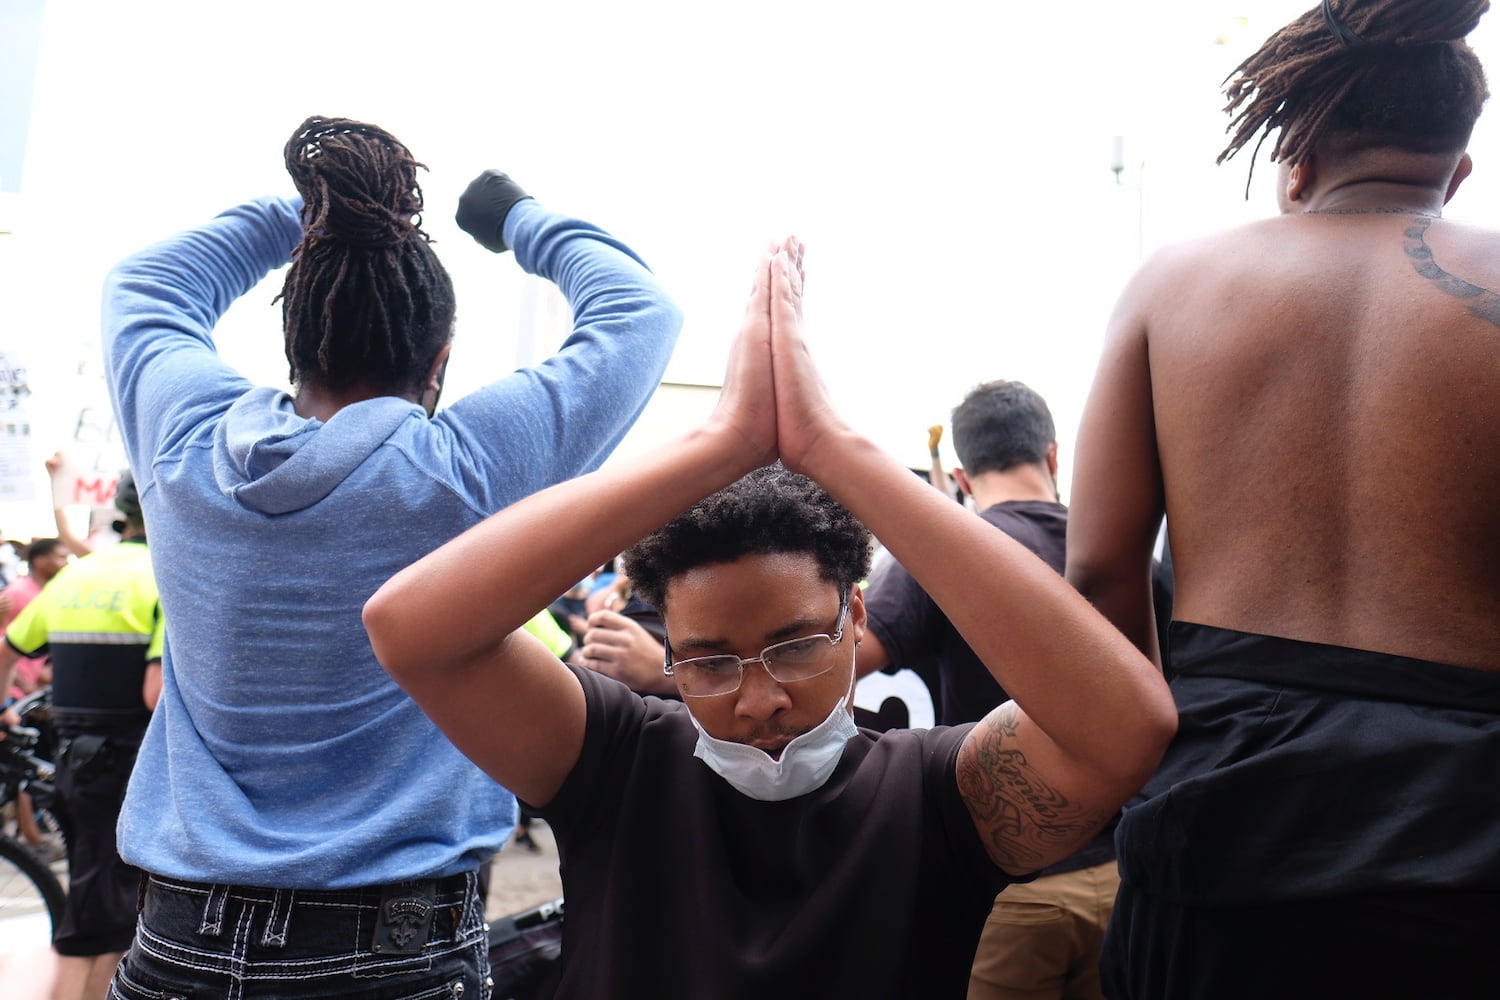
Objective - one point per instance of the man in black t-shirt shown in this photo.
(1007, 446)
(1042, 939)
(749, 841)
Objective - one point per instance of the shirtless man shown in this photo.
(1314, 403)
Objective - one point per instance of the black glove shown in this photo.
(484, 205)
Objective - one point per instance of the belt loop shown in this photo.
(473, 900)
(213, 910)
(140, 893)
(280, 917)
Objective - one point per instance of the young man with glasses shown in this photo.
(749, 840)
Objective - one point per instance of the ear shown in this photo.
(1052, 460)
(1299, 178)
(432, 389)
(857, 615)
(1460, 173)
(962, 480)
(435, 374)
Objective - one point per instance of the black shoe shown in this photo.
(523, 839)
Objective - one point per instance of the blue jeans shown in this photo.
(406, 941)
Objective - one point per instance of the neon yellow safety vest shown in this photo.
(100, 619)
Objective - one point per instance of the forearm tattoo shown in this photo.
(1483, 303)
(1028, 822)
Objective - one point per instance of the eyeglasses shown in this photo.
(794, 660)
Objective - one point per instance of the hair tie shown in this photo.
(1340, 30)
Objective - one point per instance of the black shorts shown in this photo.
(92, 772)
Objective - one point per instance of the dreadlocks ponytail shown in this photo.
(1397, 70)
(366, 301)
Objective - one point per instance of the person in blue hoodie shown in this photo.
(304, 828)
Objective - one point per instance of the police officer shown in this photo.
(101, 622)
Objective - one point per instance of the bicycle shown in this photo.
(31, 894)
(526, 953)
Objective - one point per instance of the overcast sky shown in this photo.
(946, 163)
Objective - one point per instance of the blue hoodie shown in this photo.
(281, 753)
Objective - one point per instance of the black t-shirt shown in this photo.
(917, 634)
(875, 885)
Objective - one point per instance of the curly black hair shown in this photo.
(772, 510)
(366, 300)
(1391, 72)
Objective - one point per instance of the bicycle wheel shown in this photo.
(31, 897)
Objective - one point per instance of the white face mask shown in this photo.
(804, 766)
